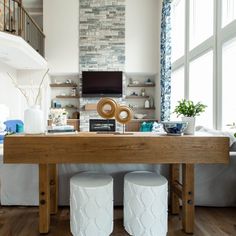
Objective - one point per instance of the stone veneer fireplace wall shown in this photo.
(101, 43)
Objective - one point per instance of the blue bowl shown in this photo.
(174, 127)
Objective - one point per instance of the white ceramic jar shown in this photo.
(147, 104)
(33, 120)
(191, 125)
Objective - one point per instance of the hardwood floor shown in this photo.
(23, 221)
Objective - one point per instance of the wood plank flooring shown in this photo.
(23, 221)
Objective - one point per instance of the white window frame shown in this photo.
(214, 43)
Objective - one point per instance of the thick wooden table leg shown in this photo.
(44, 198)
(188, 197)
(53, 188)
(174, 176)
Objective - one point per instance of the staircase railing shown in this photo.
(14, 19)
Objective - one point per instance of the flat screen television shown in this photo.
(102, 83)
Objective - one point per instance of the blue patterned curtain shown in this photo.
(165, 78)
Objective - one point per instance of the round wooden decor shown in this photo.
(123, 109)
(106, 114)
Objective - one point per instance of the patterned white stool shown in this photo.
(145, 204)
(91, 204)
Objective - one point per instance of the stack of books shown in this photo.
(61, 129)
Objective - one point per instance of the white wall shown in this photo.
(61, 27)
(143, 21)
(30, 81)
(9, 95)
(143, 35)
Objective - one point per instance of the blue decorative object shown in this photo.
(19, 128)
(14, 126)
(146, 127)
(174, 127)
(1, 138)
(165, 74)
(157, 127)
(11, 125)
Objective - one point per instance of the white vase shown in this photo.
(33, 120)
(191, 124)
(147, 104)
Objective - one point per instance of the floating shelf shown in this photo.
(76, 108)
(138, 120)
(65, 108)
(142, 108)
(63, 85)
(134, 97)
(140, 85)
(60, 96)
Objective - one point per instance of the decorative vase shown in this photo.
(147, 104)
(191, 124)
(33, 120)
(64, 119)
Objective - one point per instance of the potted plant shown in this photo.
(189, 110)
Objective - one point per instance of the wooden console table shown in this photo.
(147, 148)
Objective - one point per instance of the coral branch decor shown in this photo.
(34, 98)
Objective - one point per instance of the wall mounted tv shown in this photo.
(102, 83)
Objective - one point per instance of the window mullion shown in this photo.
(178, 63)
(217, 66)
(201, 49)
(186, 61)
(228, 32)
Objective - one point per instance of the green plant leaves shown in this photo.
(188, 108)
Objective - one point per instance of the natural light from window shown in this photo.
(201, 86)
(229, 83)
(209, 62)
(228, 11)
(201, 21)
(177, 88)
(178, 25)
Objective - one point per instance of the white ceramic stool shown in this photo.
(145, 204)
(91, 204)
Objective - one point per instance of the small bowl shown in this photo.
(174, 127)
(139, 116)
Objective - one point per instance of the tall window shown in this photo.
(208, 62)
(178, 27)
(228, 11)
(177, 85)
(229, 83)
(201, 86)
(201, 21)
